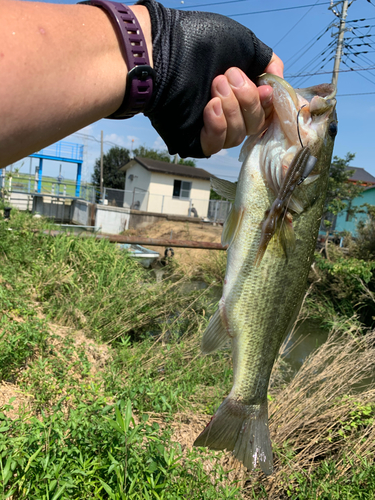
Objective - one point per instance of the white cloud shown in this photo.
(222, 164)
(116, 139)
(159, 144)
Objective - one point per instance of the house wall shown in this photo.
(136, 195)
(342, 224)
(161, 195)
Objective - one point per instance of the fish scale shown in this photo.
(261, 301)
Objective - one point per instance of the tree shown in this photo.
(154, 154)
(340, 191)
(117, 157)
(112, 162)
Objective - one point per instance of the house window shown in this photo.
(181, 189)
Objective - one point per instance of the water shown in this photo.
(308, 336)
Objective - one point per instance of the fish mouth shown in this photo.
(326, 91)
(311, 107)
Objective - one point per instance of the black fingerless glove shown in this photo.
(189, 50)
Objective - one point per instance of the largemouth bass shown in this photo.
(271, 232)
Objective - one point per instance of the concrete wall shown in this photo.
(22, 201)
(53, 207)
(112, 220)
(81, 213)
(143, 219)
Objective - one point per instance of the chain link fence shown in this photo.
(218, 210)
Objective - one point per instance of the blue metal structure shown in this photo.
(61, 151)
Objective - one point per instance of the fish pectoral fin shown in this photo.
(215, 335)
(224, 188)
(287, 236)
(231, 226)
(243, 430)
(310, 179)
(300, 201)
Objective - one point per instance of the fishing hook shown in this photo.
(299, 135)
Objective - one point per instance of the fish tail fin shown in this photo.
(243, 430)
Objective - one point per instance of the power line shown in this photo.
(360, 69)
(292, 28)
(310, 44)
(327, 72)
(277, 10)
(189, 7)
(94, 139)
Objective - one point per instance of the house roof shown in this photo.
(360, 175)
(170, 168)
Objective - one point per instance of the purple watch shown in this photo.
(140, 77)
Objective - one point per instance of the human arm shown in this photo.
(62, 69)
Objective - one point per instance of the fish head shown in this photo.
(303, 117)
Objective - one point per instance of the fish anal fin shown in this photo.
(215, 335)
(231, 226)
(243, 430)
(224, 188)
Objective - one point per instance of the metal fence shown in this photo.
(62, 149)
(218, 210)
(26, 184)
(137, 199)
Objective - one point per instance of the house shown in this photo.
(346, 221)
(161, 187)
(361, 176)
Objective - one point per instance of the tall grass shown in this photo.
(103, 427)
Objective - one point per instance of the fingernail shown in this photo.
(223, 87)
(235, 77)
(218, 110)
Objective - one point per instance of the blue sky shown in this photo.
(294, 34)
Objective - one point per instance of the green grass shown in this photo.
(97, 452)
(102, 428)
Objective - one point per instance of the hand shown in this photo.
(238, 108)
(189, 50)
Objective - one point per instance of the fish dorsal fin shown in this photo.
(224, 188)
(231, 226)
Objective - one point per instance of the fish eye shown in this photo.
(332, 129)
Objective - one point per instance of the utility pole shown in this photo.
(340, 35)
(101, 166)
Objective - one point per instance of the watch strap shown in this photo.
(140, 77)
